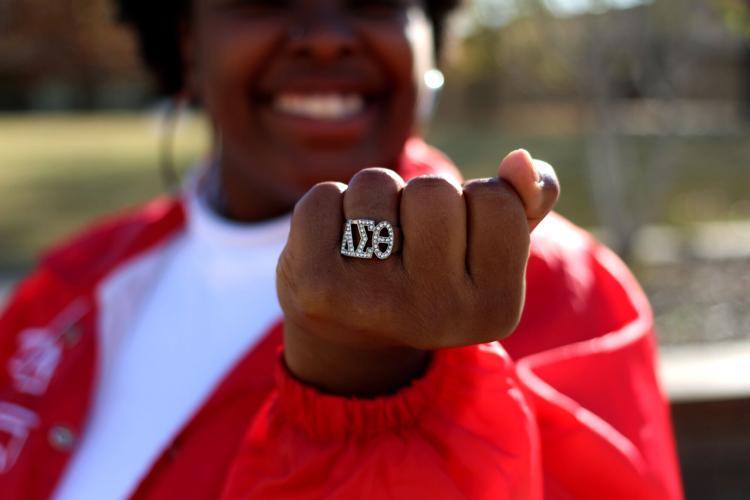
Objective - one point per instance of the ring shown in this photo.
(370, 239)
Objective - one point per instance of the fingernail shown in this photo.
(547, 177)
(537, 175)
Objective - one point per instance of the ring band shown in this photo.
(373, 239)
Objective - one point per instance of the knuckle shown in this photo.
(376, 178)
(490, 187)
(486, 316)
(496, 318)
(321, 196)
(495, 193)
(431, 186)
(511, 317)
(442, 321)
(434, 201)
(482, 190)
(506, 194)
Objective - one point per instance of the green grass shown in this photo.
(57, 173)
(709, 180)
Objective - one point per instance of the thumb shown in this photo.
(535, 182)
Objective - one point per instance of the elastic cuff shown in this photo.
(324, 416)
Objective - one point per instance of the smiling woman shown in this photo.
(319, 90)
(224, 342)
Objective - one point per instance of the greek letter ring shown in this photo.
(370, 238)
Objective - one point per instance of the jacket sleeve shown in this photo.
(464, 430)
(603, 420)
(579, 415)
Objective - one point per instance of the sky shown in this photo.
(573, 7)
(499, 12)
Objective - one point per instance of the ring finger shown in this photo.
(373, 194)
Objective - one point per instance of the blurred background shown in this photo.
(642, 107)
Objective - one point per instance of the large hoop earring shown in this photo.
(215, 187)
(167, 169)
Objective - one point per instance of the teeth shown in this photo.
(320, 106)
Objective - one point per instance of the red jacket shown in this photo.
(568, 407)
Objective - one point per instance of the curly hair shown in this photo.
(156, 25)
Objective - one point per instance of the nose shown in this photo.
(322, 35)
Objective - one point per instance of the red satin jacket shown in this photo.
(569, 407)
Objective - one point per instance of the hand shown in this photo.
(365, 326)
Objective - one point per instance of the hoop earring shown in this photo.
(167, 169)
(297, 33)
(215, 178)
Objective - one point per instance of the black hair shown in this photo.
(157, 25)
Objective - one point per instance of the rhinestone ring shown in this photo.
(369, 239)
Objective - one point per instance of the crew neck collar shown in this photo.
(207, 225)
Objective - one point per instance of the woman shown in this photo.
(142, 356)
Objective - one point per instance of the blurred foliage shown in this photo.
(602, 94)
(642, 70)
(736, 15)
(62, 172)
(636, 108)
(522, 49)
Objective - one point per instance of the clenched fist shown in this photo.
(365, 327)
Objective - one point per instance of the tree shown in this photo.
(648, 58)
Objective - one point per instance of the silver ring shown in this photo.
(378, 239)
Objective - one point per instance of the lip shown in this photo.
(320, 131)
(331, 107)
(365, 83)
(371, 94)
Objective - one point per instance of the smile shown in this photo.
(320, 106)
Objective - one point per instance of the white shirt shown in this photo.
(214, 297)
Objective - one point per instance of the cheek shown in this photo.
(392, 49)
(420, 35)
(405, 51)
(232, 52)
